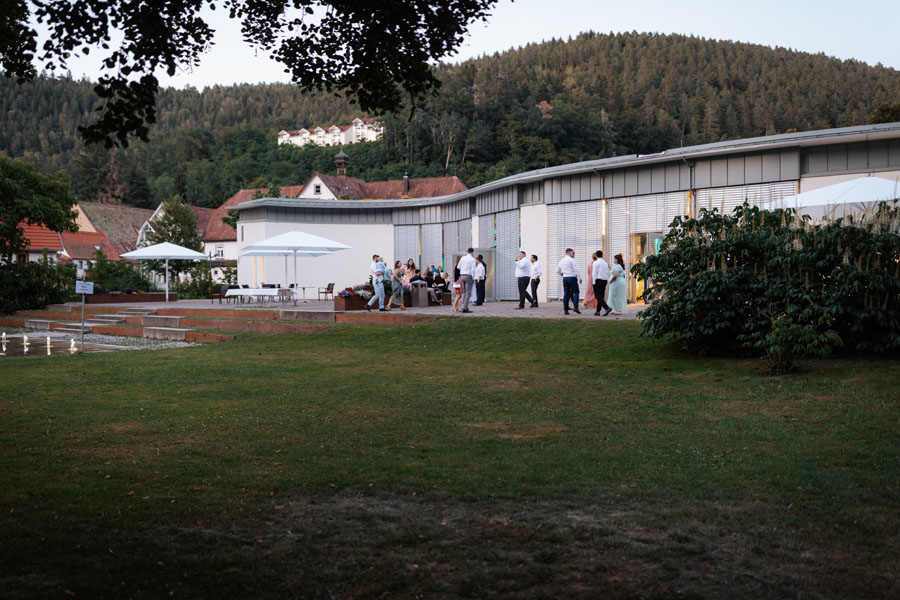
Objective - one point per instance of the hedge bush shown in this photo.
(34, 285)
(777, 283)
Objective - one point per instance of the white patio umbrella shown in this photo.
(296, 243)
(285, 254)
(165, 251)
(851, 196)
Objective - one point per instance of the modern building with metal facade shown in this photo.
(618, 205)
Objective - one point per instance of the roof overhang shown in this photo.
(786, 141)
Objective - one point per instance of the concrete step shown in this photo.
(161, 321)
(59, 308)
(165, 333)
(107, 319)
(306, 315)
(138, 311)
(38, 324)
(76, 328)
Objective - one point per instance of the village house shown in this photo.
(360, 130)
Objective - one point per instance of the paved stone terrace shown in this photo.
(547, 310)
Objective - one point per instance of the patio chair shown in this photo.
(327, 291)
(285, 294)
(220, 294)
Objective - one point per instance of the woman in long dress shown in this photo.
(617, 288)
(396, 287)
(589, 299)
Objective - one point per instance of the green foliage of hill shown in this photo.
(545, 104)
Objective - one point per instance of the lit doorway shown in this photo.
(642, 246)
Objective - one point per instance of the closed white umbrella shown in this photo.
(296, 243)
(165, 251)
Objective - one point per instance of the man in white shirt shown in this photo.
(599, 277)
(466, 268)
(377, 271)
(523, 277)
(536, 273)
(571, 276)
(479, 280)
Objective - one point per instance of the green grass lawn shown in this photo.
(508, 458)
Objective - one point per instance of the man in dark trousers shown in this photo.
(523, 277)
(536, 272)
(479, 280)
(599, 278)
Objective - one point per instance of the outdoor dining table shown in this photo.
(260, 293)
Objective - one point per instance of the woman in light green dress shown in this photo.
(617, 288)
(396, 287)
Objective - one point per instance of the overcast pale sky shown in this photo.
(865, 30)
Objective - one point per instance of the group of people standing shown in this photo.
(468, 283)
(403, 277)
(601, 275)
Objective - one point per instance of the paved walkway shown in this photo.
(547, 310)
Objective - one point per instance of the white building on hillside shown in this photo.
(360, 130)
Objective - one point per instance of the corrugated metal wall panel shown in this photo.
(432, 244)
(675, 205)
(507, 250)
(486, 231)
(451, 245)
(645, 213)
(618, 228)
(406, 243)
(578, 226)
(555, 227)
(465, 234)
(727, 198)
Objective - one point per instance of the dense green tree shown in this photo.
(377, 53)
(546, 104)
(177, 224)
(27, 196)
(886, 113)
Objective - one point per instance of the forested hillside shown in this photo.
(545, 104)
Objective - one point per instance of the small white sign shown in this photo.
(84, 287)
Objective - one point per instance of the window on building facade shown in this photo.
(21, 258)
(220, 251)
(317, 189)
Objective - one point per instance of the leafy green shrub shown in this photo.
(116, 275)
(775, 282)
(34, 285)
(199, 284)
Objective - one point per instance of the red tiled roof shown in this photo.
(39, 237)
(82, 245)
(119, 223)
(357, 189)
(203, 217)
(217, 231)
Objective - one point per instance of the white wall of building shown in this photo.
(533, 227)
(813, 183)
(344, 268)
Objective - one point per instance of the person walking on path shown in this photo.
(479, 280)
(536, 272)
(457, 287)
(377, 271)
(523, 278)
(571, 276)
(589, 299)
(466, 276)
(617, 288)
(397, 286)
(599, 277)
